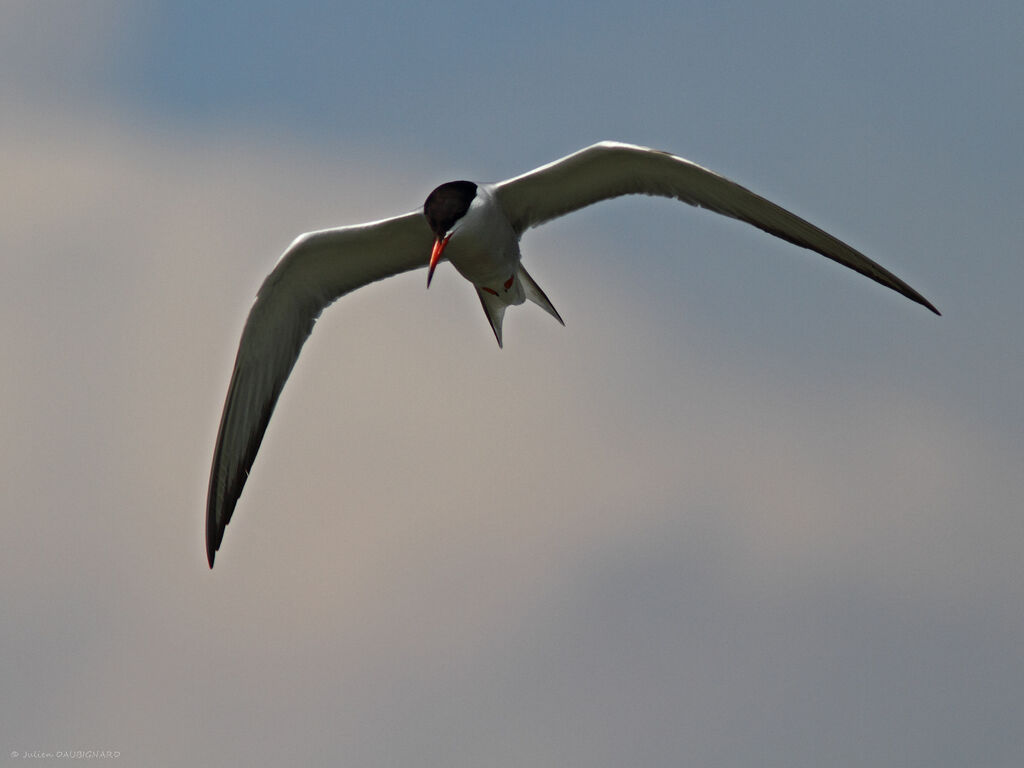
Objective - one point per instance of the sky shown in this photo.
(745, 508)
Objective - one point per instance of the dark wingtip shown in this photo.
(212, 542)
(905, 290)
(925, 303)
(214, 531)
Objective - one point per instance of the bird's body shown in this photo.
(487, 254)
(487, 250)
(477, 227)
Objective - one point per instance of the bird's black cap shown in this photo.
(447, 204)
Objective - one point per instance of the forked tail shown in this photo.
(494, 304)
(537, 296)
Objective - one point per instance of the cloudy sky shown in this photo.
(746, 508)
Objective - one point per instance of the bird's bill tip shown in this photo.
(435, 256)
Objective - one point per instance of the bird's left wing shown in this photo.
(317, 268)
(610, 169)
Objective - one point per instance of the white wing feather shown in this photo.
(316, 269)
(610, 169)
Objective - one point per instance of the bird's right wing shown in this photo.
(317, 268)
(610, 169)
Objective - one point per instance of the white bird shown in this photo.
(477, 227)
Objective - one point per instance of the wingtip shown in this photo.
(924, 302)
(214, 535)
(211, 547)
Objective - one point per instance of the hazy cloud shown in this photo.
(685, 528)
(581, 548)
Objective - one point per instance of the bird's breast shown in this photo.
(484, 248)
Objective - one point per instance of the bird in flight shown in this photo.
(476, 227)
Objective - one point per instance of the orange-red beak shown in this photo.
(435, 256)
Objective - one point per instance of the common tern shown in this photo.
(477, 227)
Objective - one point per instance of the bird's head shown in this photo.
(444, 208)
